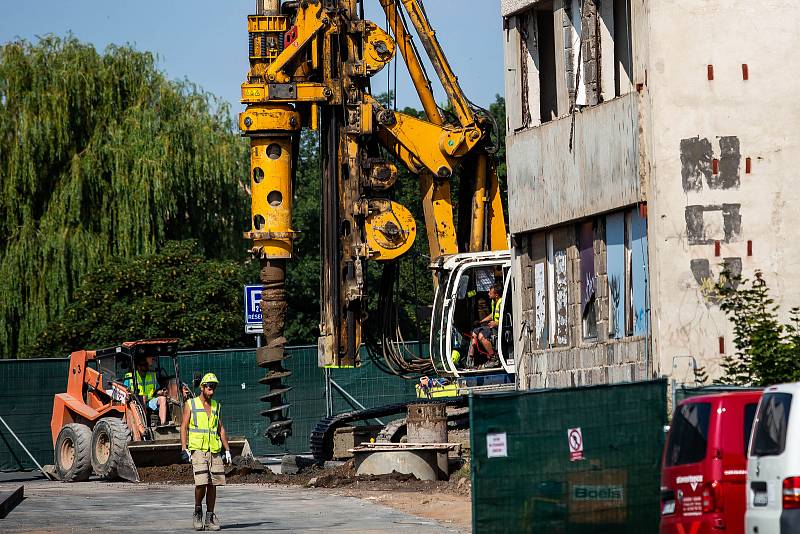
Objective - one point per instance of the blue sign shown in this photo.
(252, 309)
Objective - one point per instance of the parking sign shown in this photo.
(252, 310)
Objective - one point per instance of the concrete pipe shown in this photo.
(427, 423)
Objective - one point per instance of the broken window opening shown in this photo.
(623, 53)
(528, 56)
(586, 239)
(548, 97)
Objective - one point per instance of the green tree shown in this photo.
(303, 272)
(498, 112)
(175, 292)
(102, 157)
(767, 351)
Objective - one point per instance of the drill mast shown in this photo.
(311, 62)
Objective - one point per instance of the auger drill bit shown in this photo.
(271, 356)
(272, 128)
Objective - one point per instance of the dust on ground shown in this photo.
(445, 501)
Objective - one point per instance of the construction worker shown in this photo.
(147, 385)
(485, 333)
(207, 448)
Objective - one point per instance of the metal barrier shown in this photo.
(568, 461)
(27, 388)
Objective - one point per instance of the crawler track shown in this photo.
(321, 439)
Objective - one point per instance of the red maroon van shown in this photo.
(705, 464)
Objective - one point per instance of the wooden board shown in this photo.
(9, 500)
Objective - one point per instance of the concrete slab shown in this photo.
(54, 507)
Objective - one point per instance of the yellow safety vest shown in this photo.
(147, 384)
(496, 307)
(203, 431)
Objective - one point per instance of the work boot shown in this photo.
(491, 363)
(211, 521)
(197, 518)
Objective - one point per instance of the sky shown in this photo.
(205, 41)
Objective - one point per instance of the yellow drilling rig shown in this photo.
(311, 62)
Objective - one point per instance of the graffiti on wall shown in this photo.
(697, 164)
(707, 281)
(560, 261)
(588, 275)
(639, 273)
(615, 267)
(540, 305)
(707, 224)
(714, 223)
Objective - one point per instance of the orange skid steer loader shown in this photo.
(101, 425)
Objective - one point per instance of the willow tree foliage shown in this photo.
(103, 157)
(175, 292)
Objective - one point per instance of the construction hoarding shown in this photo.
(568, 460)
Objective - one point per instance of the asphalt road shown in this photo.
(54, 507)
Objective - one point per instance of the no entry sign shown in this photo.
(575, 441)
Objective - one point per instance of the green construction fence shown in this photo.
(568, 461)
(27, 388)
(682, 393)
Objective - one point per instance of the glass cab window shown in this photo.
(475, 334)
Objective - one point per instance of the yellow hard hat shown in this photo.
(209, 378)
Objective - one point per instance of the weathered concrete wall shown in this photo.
(715, 159)
(600, 363)
(509, 7)
(597, 360)
(549, 184)
(695, 203)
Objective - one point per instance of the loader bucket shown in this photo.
(126, 469)
(167, 452)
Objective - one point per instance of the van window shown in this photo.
(688, 437)
(771, 424)
(749, 415)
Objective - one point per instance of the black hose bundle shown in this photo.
(388, 348)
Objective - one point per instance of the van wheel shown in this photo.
(110, 437)
(73, 453)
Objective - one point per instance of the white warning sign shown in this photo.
(496, 445)
(575, 441)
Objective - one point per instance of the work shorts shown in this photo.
(208, 468)
(488, 333)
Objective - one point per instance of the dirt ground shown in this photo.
(445, 505)
(445, 501)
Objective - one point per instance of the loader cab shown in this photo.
(461, 301)
(120, 361)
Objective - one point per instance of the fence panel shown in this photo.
(682, 393)
(26, 404)
(27, 388)
(531, 484)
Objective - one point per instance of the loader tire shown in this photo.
(110, 438)
(73, 453)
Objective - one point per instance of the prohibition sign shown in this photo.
(575, 441)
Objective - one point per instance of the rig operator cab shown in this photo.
(461, 301)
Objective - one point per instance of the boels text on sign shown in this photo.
(252, 310)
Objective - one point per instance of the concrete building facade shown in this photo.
(651, 144)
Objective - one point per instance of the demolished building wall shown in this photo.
(681, 168)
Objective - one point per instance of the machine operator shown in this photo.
(147, 385)
(487, 331)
